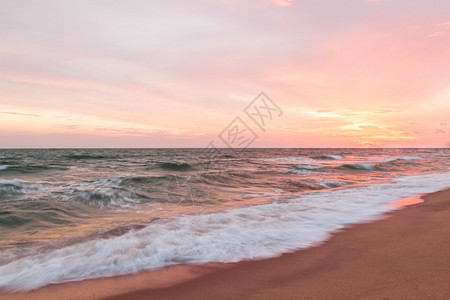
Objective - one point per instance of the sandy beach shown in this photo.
(403, 256)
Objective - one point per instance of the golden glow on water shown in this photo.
(407, 201)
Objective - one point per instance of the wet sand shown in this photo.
(403, 256)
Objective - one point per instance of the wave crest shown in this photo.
(329, 157)
(308, 167)
(16, 187)
(359, 166)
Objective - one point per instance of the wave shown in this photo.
(16, 187)
(42, 215)
(313, 185)
(118, 231)
(409, 158)
(104, 197)
(302, 160)
(259, 195)
(255, 232)
(381, 163)
(103, 193)
(8, 161)
(87, 156)
(289, 160)
(359, 166)
(307, 167)
(328, 157)
(9, 220)
(11, 186)
(30, 169)
(174, 166)
(144, 179)
(332, 184)
(228, 178)
(46, 204)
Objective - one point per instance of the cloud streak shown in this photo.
(18, 114)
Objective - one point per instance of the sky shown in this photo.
(110, 73)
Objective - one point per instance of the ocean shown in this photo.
(74, 214)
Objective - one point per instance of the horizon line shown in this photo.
(234, 149)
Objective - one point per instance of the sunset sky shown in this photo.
(346, 73)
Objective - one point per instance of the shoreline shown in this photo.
(403, 255)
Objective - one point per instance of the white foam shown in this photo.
(4, 167)
(410, 158)
(254, 232)
(15, 182)
(17, 187)
(259, 195)
(289, 160)
(334, 156)
(102, 193)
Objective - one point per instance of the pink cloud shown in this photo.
(231, 4)
(445, 24)
(439, 33)
(282, 3)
